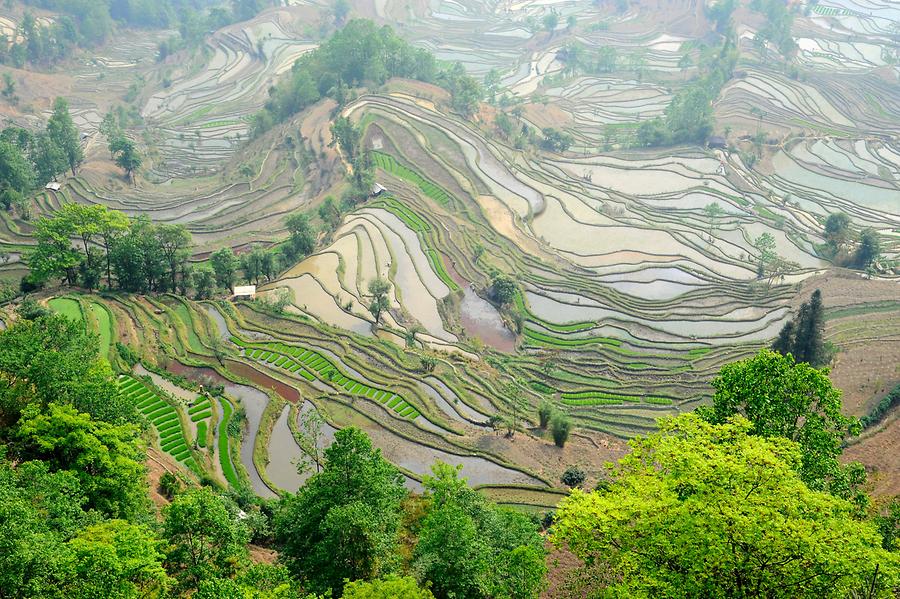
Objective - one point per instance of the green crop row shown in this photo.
(311, 365)
(160, 413)
(224, 456)
(433, 191)
(541, 338)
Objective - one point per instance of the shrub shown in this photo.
(560, 427)
(169, 485)
(545, 412)
(573, 477)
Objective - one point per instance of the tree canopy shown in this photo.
(712, 510)
(782, 398)
(343, 523)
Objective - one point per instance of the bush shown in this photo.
(878, 412)
(560, 427)
(545, 412)
(169, 485)
(573, 477)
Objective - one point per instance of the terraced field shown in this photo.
(636, 270)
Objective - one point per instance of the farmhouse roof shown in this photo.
(377, 189)
(245, 291)
(53, 186)
(716, 141)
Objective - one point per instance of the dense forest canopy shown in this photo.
(357, 55)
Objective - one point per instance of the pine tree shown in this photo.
(815, 325)
(785, 342)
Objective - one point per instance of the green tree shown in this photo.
(225, 265)
(64, 134)
(53, 359)
(205, 537)
(703, 510)
(573, 477)
(343, 523)
(330, 213)
(545, 413)
(503, 289)
(347, 136)
(174, 242)
(106, 458)
(126, 156)
(471, 548)
(391, 587)
(560, 427)
(809, 328)
(204, 282)
(869, 249)
(302, 241)
(782, 398)
(550, 21)
(379, 289)
(837, 231)
(117, 559)
(54, 256)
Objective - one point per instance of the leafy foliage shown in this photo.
(470, 548)
(357, 55)
(782, 398)
(343, 524)
(703, 510)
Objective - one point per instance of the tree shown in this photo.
(713, 212)
(117, 559)
(517, 405)
(204, 282)
(64, 134)
(808, 345)
(106, 458)
(550, 21)
(347, 136)
(311, 439)
(224, 264)
(685, 62)
(703, 510)
(782, 398)
(330, 213)
(53, 256)
(379, 289)
(560, 427)
(343, 523)
(53, 359)
(545, 412)
(503, 289)
(391, 587)
(837, 231)
(869, 249)
(784, 344)
(205, 537)
(471, 548)
(174, 241)
(112, 224)
(573, 477)
(303, 237)
(126, 157)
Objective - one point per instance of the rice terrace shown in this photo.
(508, 236)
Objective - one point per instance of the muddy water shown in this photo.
(220, 322)
(254, 403)
(283, 455)
(284, 451)
(480, 318)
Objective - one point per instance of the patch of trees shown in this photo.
(29, 160)
(121, 148)
(802, 336)
(89, 23)
(134, 254)
(755, 474)
(777, 28)
(887, 403)
(847, 247)
(689, 117)
(357, 55)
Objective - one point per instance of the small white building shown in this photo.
(377, 190)
(53, 186)
(244, 292)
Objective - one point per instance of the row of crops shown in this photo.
(311, 365)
